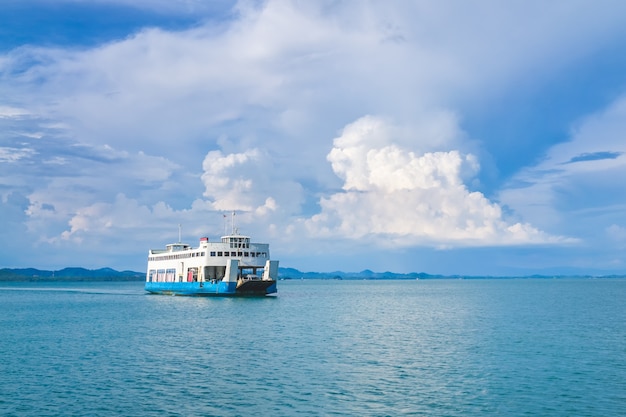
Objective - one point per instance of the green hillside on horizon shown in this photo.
(69, 274)
(109, 274)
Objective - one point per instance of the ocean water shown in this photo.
(531, 347)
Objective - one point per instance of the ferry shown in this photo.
(232, 266)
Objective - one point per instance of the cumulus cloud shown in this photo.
(246, 181)
(408, 198)
(101, 218)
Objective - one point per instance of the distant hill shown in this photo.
(291, 273)
(69, 274)
(108, 274)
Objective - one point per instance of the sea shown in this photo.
(480, 347)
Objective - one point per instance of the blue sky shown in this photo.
(482, 138)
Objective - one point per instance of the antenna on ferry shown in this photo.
(233, 223)
(180, 233)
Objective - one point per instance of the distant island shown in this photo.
(291, 273)
(69, 274)
(109, 274)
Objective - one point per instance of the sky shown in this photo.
(447, 137)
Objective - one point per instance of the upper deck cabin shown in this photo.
(237, 241)
(234, 245)
(175, 247)
(172, 247)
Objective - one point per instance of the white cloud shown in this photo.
(228, 181)
(7, 112)
(101, 219)
(407, 198)
(8, 154)
(367, 154)
(247, 181)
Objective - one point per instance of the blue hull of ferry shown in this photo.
(207, 289)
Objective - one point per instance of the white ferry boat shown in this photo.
(233, 266)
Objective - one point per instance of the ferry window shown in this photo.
(212, 253)
(233, 254)
(201, 253)
(252, 254)
(239, 254)
(246, 254)
(219, 253)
